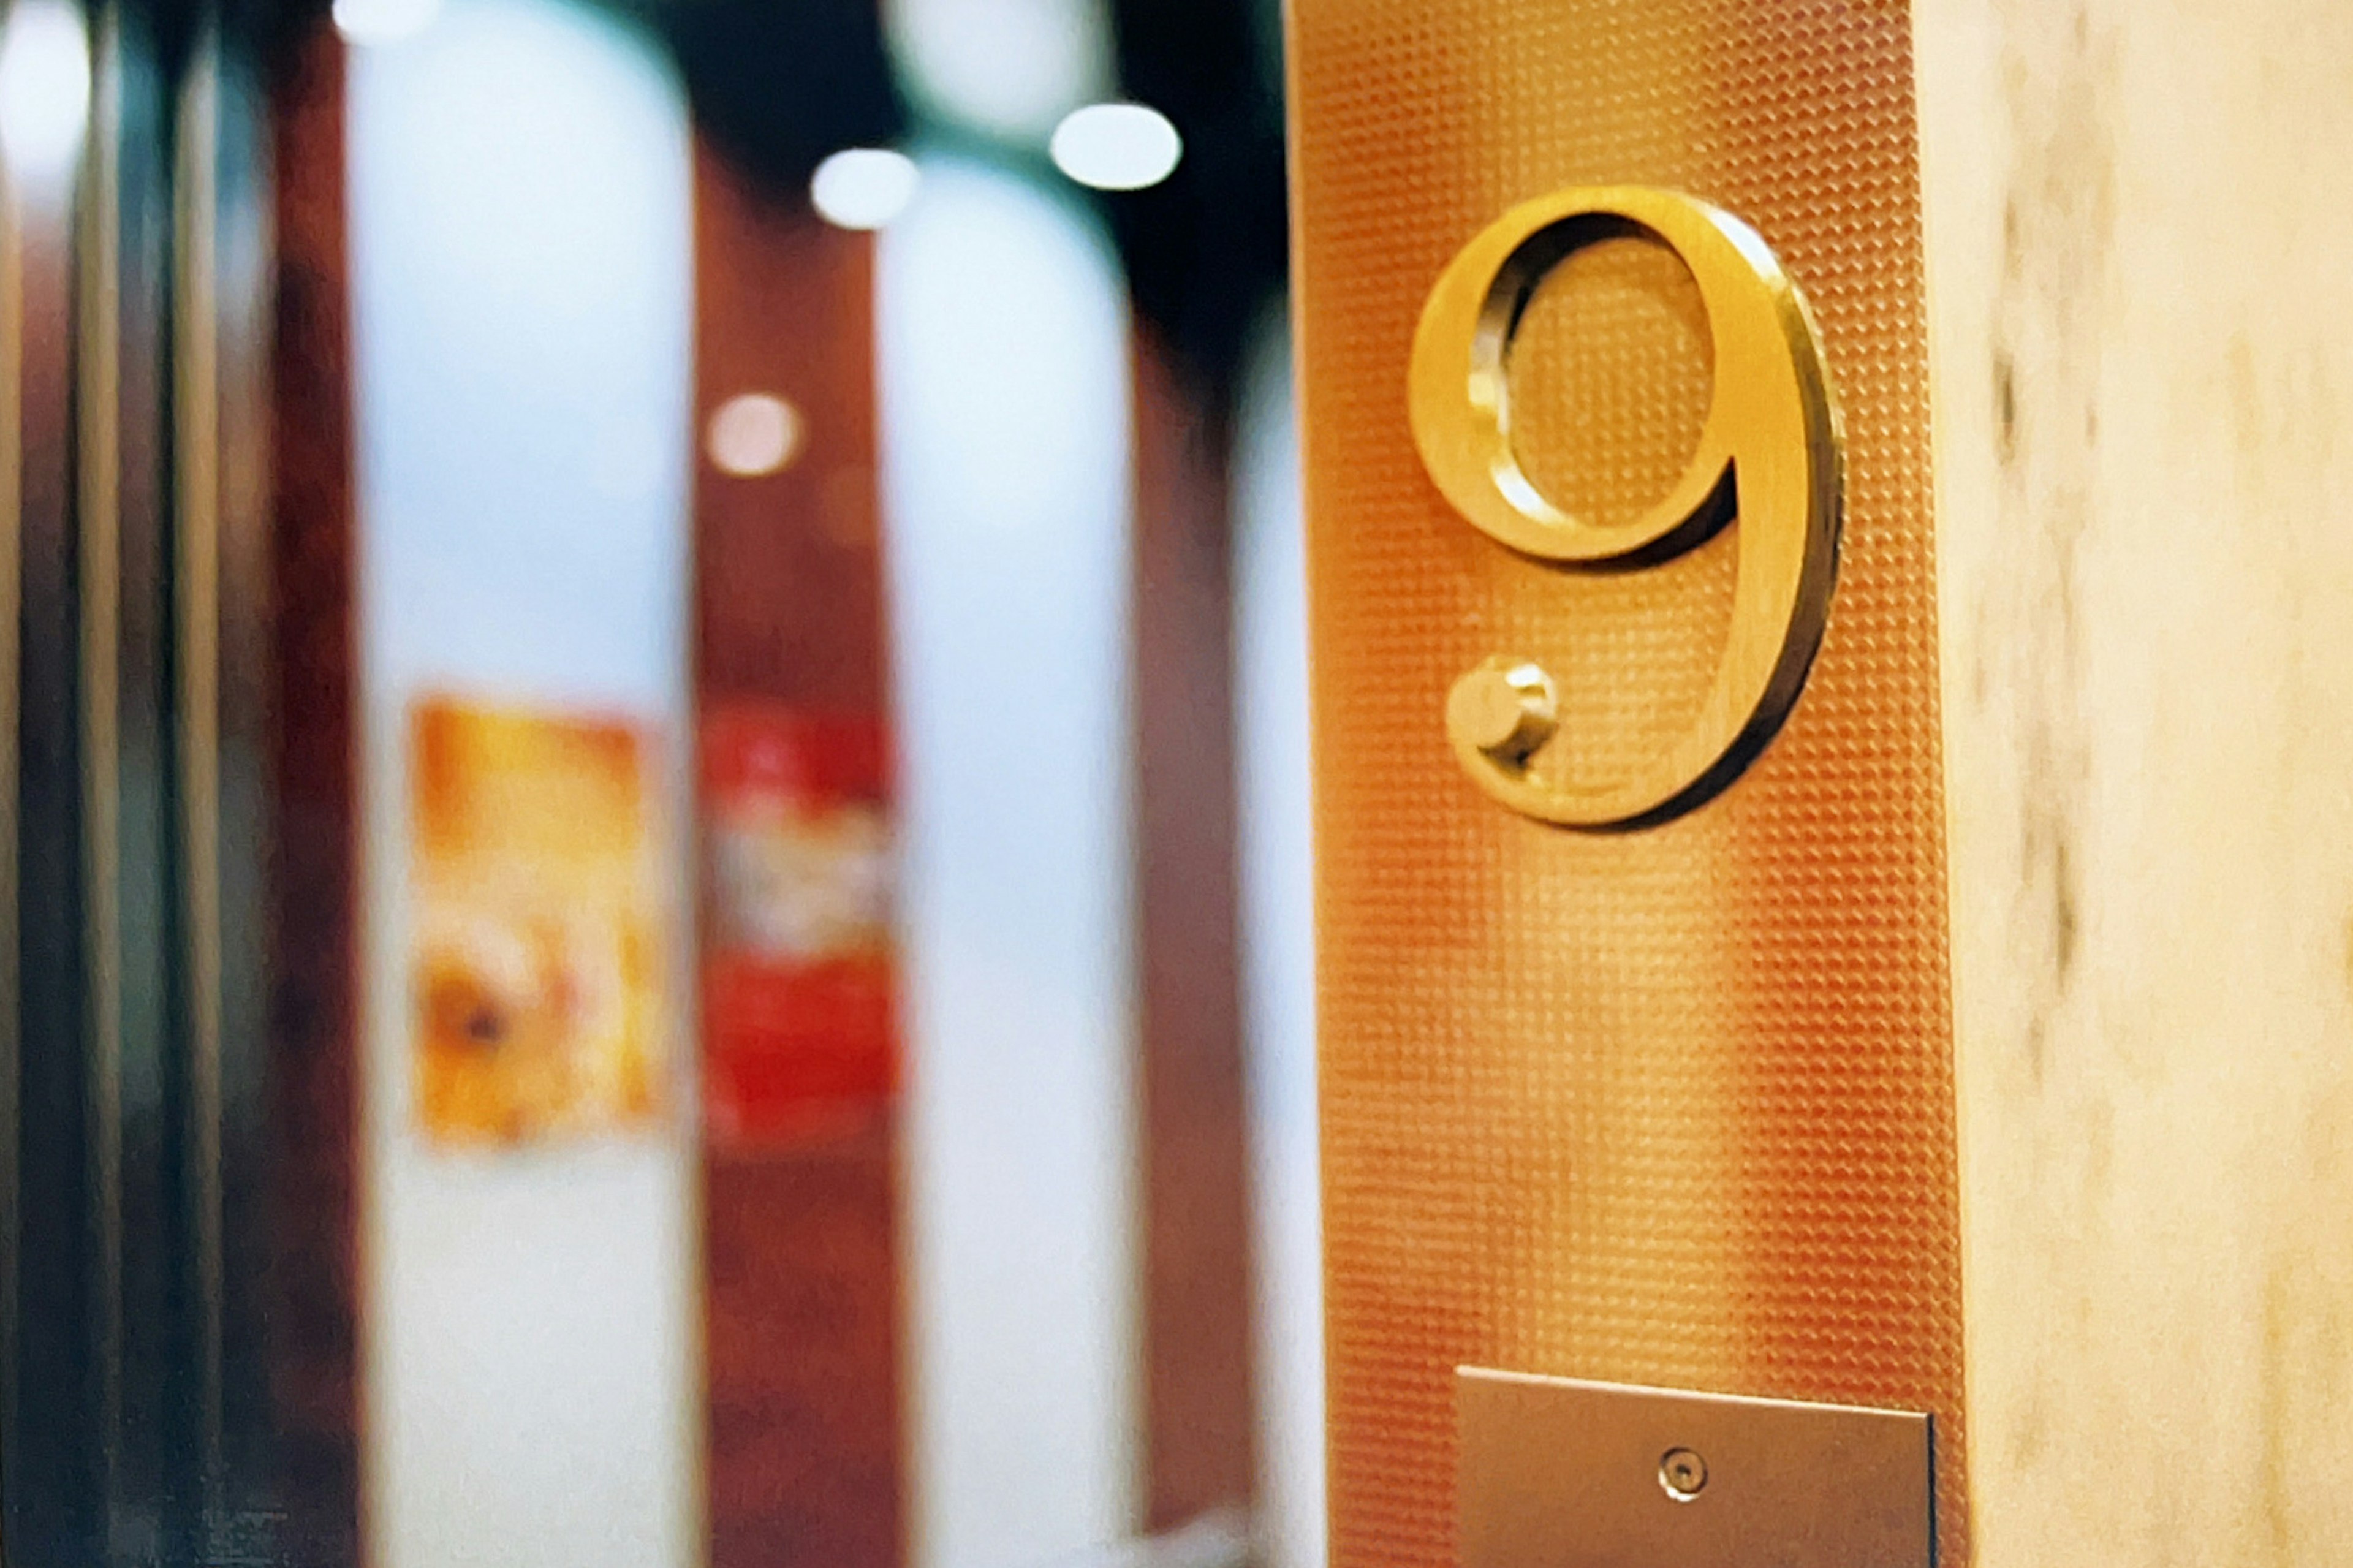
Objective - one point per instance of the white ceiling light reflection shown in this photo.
(1117, 146)
(43, 88)
(755, 433)
(863, 188)
(384, 21)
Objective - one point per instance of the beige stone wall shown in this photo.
(2139, 232)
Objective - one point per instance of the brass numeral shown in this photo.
(1769, 455)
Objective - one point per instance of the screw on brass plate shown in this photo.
(1682, 1474)
(1507, 708)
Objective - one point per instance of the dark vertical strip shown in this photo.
(234, 1260)
(313, 880)
(219, 607)
(196, 554)
(138, 1058)
(97, 406)
(12, 530)
(1199, 1438)
(51, 1469)
(801, 1292)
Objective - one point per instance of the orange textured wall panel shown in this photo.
(1672, 1105)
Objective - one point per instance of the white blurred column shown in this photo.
(521, 271)
(1004, 374)
(1278, 908)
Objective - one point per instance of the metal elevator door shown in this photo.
(132, 278)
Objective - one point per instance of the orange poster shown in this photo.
(536, 942)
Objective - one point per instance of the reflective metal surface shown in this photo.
(132, 1428)
(1555, 1473)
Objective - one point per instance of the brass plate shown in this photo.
(1557, 1473)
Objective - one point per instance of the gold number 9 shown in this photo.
(1768, 454)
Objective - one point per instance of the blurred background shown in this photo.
(658, 828)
